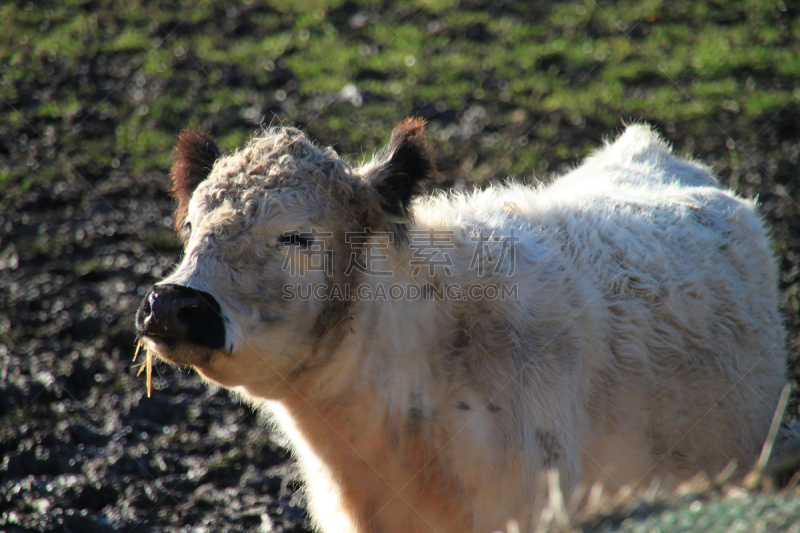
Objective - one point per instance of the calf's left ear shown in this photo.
(193, 157)
(400, 170)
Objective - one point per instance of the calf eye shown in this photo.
(295, 239)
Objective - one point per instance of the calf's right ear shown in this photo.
(193, 158)
(398, 174)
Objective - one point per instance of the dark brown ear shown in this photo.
(193, 158)
(401, 169)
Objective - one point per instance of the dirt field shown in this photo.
(92, 95)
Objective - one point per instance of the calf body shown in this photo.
(618, 324)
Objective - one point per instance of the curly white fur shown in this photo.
(645, 339)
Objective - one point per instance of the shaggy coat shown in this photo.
(640, 335)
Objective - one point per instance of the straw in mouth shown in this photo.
(148, 364)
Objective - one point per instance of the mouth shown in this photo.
(159, 343)
(154, 345)
(172, 351)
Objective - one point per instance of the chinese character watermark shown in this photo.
(310, 252)
(427, 249)
(486, 254)
(394, 292)
(369, 252)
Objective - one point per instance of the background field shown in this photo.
(93, 93)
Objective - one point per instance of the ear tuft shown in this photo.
(405, 165)
(194, 156)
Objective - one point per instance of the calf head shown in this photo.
(275, 213)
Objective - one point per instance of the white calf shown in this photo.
(429, 356)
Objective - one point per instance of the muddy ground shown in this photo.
(82, 449)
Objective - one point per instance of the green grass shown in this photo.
(164, 240)
(130, 77)
(737, 511)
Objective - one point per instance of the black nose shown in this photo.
(181, 314)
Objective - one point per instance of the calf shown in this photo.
(428, 356)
